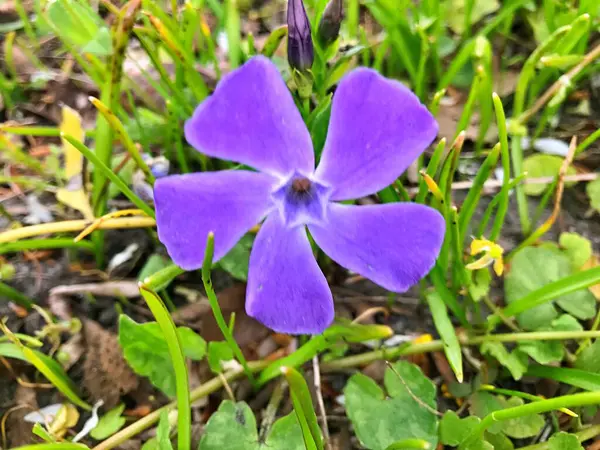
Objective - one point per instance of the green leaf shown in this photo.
(499, 441)
(163, 431)
(521, 427)
(78, 25)
(589, 358)
(564, 441)
(542, 165)
(480, 285)
(218, 351)
(380, 421)
(161, 441)
(147, 352)
(303, 406)
(535, 267)
(454, 430)
(511, 360)
(233, 427)
(236, 261)
(577, 248)
(445, 328)
(593, 192)
(583, 379)
(109, 423)
(484, 403)
(545, 352)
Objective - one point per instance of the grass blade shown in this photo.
(162, 316)
(303, 406)
(447, 333)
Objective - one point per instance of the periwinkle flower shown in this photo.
(377, 128)
(300, 45)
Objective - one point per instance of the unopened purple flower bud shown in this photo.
(329, 26)
(300, 45)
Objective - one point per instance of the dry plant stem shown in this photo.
(567, 78)
(320, 402)
(560, 187)
(435, 346)
(74, 225)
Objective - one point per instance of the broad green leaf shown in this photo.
(513, 361)
(593, 192)
(542, 165)
(484, 403)
(236, 260)
(499, 441)
(545, 352)
(218, 352)
(233, 427)
(533, 268)
(521, 427)
(589, 358)
(577, 248)
(78, 25)
(109, 423)
(381, 419)
(147, 352)
(564, 441)
(454, 430)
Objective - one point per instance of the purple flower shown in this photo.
(377, 128)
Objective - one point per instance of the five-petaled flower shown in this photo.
(377, 128)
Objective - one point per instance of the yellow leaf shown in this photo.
(71, 125)
(73, 196)
(77, 200)
(66, 418)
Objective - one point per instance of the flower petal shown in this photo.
(286, 289)
(394, 245)
(188, 207)
(251, 118)
(377, 128)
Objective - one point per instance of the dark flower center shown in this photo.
(301, 185)
(301, 200)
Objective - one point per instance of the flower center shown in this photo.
(301, 184)
(301, 201)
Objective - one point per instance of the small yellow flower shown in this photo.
(492, 254)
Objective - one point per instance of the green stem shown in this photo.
(214, 304)
(565, 401)
(437, 345)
